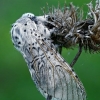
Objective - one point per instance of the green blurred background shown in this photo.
(15, 80)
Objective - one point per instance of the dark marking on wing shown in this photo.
(49, 97)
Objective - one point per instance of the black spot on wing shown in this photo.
(72, 69)
(25, 30)
(25, 24)
(34, 29)
(16, 37)
(76, 76)
(44, 30)
(41, 34)
(19, 42)
(38, 36)
(49, 97)
(35, 34)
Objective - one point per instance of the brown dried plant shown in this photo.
(69, 29)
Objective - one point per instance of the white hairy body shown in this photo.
(54, 78)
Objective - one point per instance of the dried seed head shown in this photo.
(68, 30)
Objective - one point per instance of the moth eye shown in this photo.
(33, 18)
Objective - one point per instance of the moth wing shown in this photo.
(55, 77)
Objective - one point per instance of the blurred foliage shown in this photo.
(15, 80)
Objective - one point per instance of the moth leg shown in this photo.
(77, 55)
(49, 97)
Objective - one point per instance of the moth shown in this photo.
(53, 76)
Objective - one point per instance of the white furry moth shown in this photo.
(54, 78)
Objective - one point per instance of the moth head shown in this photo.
(22, 30)
(30, 16)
